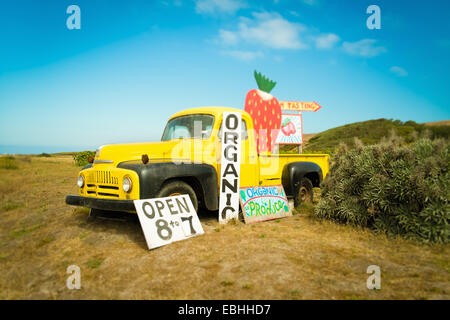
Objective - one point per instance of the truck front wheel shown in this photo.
(175, 188)
(305, 192)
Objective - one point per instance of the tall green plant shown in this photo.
(81, 158)
(391, 188)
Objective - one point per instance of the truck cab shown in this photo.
(187, 161)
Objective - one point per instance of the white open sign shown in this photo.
(165, 220)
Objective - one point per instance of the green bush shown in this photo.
(8, 162)
(81, 158)
(392, 188)
(44, 155)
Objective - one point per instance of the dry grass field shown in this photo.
(292, 258)
(307, 136)
(438, 123)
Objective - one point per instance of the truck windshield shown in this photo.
(196, 126)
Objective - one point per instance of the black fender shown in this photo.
(293, 172)
(202, 178)
(86, 167)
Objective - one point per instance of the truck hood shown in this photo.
(174, 150)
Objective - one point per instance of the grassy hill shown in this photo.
(438, 123)
(372, 131)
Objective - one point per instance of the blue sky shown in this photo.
(134, 63)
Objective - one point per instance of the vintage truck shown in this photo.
(187, 161)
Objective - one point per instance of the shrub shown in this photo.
(81, 158)
(391, 188)
(8, 162)
(44, 155)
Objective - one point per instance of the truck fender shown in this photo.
(152, 176)
(293, 172)
(86, 167)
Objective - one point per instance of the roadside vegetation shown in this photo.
(388, 195)
(82, 158)
(372, 132)
(8, 163)
(300, 257)
(45, 155)
(391, 187)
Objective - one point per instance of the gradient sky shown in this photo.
(134, 63)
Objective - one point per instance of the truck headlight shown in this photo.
(127, 185)
(80, 181)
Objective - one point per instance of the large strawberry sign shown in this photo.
(265, 112)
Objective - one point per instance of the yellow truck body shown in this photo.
(191, 160)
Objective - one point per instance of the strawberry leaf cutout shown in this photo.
(264, 84)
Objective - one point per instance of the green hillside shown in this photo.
(372, 131)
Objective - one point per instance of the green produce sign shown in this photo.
(264, 203)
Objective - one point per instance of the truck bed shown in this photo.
(272, 165)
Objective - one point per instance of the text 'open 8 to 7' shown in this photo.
(165, 220)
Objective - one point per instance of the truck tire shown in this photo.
(177, 187)
(304, 193)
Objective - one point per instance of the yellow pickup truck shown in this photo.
(187, 161)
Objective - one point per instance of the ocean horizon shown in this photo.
(18, 149)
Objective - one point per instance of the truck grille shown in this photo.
(105, 177)
(102, 183)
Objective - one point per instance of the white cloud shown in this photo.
(267, 29)
(363, 48)
(398, 71)
(271, 30)
(221, 6)
(326, 41)
(228, 37)
(244, 55)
